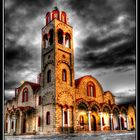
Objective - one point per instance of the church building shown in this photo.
(59, 103)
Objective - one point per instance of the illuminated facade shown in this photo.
(59, 103)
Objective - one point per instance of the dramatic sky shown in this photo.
(104, 42)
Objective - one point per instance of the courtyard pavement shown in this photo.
(104, 135)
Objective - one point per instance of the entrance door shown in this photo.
(24, 125)
(93, 123)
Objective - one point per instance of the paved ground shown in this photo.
(106, 135)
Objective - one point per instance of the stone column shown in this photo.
(101, 120)
(68, 117)
(9, 124)
(63, 38)
(14, 124)
(89, 121)
(21, 123)
(111, 124)
(127, 122)
(120, 121)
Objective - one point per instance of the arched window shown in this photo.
(81, 119)
(55, 14)
(64, 75)
(132, 122)
(103, 121)
(63, 16)
(49, 76)
(48, 18)
(48, 118)
(91, 90)
(109, 102)
(60, 36)
(25, 95)
(67, 40)
(65, 117)
(39, 100)
(39, 121)
(51, 37)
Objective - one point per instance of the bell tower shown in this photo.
(57, 48)
(57, 69)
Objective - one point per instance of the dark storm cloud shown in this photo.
(17, 56)
(102, 11)
(114, 46)
(122, 55)
(20, 58)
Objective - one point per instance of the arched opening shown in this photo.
(50, 36)
(123, 119)
(48, 18)
(64, 75)
(116, 119)
(63, 16)
(60, 36)
(106, 116)
(82, 120)
(67, 40)
(55, 14)
(93, 123)
(65, 117)
(49, 76)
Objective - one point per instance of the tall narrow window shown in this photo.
(49, 76)
(91, 91)
(25, 95)
(64, 75)
(39, 121)
(48, 118)
(65, 117)
(103, 121)
(39, 100)
(51, 37)
(109, 102)
(132, 122)
(60, 36)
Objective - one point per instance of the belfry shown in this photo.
(58, 102)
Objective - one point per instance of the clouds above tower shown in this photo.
(104, 38)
